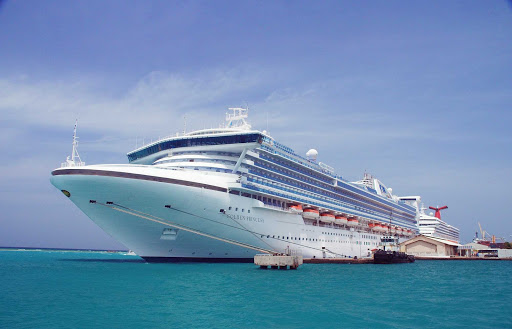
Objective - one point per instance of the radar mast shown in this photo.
(74, 160)
(237, 118)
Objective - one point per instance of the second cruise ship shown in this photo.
(433, 226)
(229, 193)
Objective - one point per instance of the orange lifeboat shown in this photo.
(352, 222)
(296, 208)
(327, 217)
(340, 220)
(371, 226)
(310, 213)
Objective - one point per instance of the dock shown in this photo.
(460, 258)
(370, 260)
(278, 261)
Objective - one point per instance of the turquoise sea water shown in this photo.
(100, 290)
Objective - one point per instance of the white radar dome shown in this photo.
(312, 154)
(431, 214)
(390, 190)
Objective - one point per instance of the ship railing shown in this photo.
(297, 195)
(318, 196)
(72, 164)
(316, 185)
(296, 169)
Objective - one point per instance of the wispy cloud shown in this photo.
(156, 103)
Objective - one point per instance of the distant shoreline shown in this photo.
(59, 249)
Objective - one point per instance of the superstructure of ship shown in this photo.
(184, 197)
(432, 225)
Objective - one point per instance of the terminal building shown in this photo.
(475, 249)
(425, 246)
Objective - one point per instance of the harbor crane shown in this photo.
(491, 236)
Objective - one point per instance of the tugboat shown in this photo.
(392, 255)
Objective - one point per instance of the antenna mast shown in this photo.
(74, 160)
(236, 119)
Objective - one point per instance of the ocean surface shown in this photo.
(57, 289)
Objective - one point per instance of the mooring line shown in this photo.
(241, 244)
(187, 229)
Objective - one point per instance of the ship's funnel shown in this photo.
(438, 210)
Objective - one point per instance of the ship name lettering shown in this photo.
(246, 218)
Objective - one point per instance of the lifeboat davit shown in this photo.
(340, 220)
(310, 213)
(399, 230)
(296, 208)
(352, 222)
(393, 229)
(327, 217)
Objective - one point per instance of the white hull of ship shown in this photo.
(199, 209)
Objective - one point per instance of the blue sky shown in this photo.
(416, 92)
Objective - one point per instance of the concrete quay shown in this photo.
(281, 262)
(459, 258)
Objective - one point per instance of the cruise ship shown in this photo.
(228, 193)
(433, 226)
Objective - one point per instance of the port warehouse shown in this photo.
(424, 246)
(481, 250)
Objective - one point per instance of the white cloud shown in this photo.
(154, 104)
